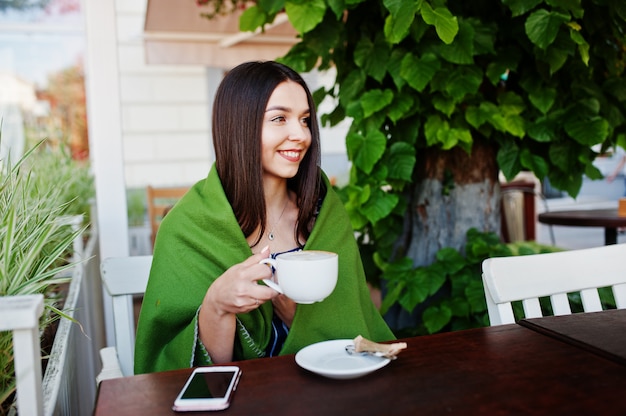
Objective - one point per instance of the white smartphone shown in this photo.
(208, 388)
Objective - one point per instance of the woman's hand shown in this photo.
(235, 291)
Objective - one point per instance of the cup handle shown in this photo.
(268, 282)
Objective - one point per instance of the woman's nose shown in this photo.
(298, 132)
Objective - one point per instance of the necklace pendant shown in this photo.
(271, 236)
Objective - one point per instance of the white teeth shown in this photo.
(291, 154)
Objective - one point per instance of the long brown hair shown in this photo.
(238, 112)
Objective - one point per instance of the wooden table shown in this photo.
(607, 218)
(498, 370)
(603, 333)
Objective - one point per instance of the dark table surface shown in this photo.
(607, 218)
(504, 370)
(603, 333)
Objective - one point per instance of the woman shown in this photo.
(264, 196)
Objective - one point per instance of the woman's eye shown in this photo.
(278, 119)
(305, 121)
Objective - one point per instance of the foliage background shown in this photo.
(538, 81)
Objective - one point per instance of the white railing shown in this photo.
(69, 384)
(20, 315)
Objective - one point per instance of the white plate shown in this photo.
(330, 359)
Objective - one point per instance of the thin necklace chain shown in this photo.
(271, 235)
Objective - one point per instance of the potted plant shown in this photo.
(39, 194)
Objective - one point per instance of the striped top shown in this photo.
(279, 329)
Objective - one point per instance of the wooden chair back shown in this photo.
(553, 275)
(161, 200)
(519, 213)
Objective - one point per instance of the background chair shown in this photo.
(161, 200)
(553, 275)
(123, 278)
(519, 214)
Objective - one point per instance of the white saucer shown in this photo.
(330, 359)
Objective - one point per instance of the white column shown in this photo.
(105, 133)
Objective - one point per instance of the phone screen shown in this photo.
(208, 385)
(208, 388)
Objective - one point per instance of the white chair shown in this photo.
(553, 275)
(123, 277)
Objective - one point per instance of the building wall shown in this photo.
(164, 111)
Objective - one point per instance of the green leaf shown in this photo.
(433, 126)
(435, 318)
(300, 58)
(475, 295)
(418, 72)
(444, 104)
(556, 58)
(415, 292)
(543, 130)
(252, 18)
(534, 163)
(495, 70)
(464, 80)
(372, 56)
(515, 125)
(520, 7)
(583, 46)
(477, 116)
(461, 51)
(402, 14)
(366, 150)
(400, 106)
(391, 297)
(490, 113)
(271, 6)
(304, 16)
(484, 37)
(375, 100)
(543, 99)
(357, 196)
(338, 7)
(511, 104)
(542, 27)
(588, 132)
(459, 307)
(433, 277)
(593, 172)
(446, 25)
(379, 205)
(616, 86)
(572, 6)
(454, 136)
(394, 67)
(438, 131)
(352, 85)
(401, 161)
(508, 159)
(451, 258)
(563, 155)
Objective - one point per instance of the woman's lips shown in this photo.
(291, 155)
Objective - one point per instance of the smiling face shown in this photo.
(286, 135)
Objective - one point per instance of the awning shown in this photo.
(176, 33)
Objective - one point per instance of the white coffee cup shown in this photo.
(307, 276)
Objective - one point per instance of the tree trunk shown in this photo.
(453, 192)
